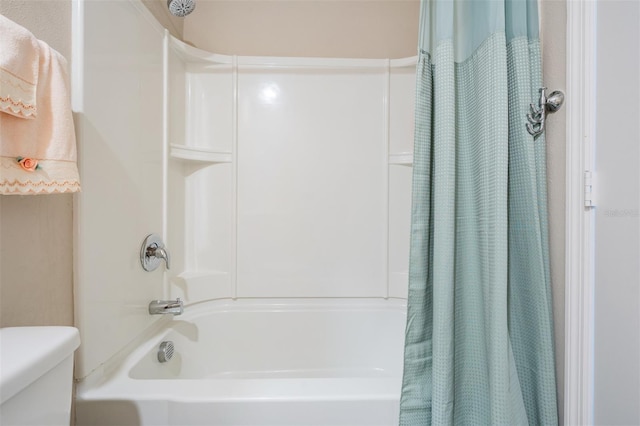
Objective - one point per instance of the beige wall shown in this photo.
(318, 28)
(36, 232)
(553, 25)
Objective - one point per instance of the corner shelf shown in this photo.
(401, 159)
(202, 155)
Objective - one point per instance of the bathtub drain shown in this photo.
(165, 351)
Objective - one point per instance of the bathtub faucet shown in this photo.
(166, 307)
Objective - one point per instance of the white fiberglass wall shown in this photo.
(291, 176)
(117, 101)
(266, 177)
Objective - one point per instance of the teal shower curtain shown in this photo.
(479, 338)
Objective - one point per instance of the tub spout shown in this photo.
(166, 307)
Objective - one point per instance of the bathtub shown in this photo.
(258, 362)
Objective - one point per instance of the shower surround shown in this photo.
(281, 187)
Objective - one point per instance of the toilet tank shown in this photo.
(36, 375)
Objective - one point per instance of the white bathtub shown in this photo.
(259, 362)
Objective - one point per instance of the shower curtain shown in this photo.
(479, 337)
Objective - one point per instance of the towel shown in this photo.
(19, 62)
(38, 155)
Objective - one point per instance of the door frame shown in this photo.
(579, 259)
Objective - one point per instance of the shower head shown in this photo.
(181, 8)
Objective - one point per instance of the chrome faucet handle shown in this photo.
(152, 252)
(160, 253)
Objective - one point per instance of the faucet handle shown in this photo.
(152, 252)
(159, 253)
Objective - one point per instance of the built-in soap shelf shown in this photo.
(203, 155)
(401, 159)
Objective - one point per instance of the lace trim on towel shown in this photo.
(17, 96)
(53, 177)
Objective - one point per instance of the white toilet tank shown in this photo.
(36, 375)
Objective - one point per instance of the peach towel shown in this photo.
(38, 156)
(19, 61)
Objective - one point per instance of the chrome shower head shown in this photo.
(181, 8)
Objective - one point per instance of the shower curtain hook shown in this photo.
(537, 116)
